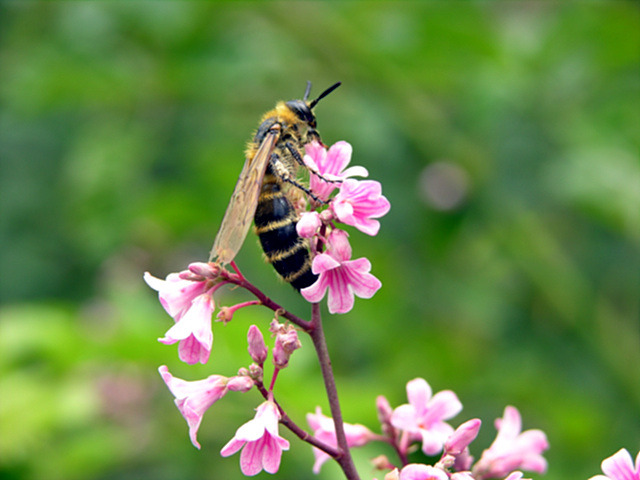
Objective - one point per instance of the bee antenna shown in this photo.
(323, 94)
(307, 91)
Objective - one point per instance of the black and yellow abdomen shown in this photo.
(275, 220)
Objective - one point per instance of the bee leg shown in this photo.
(280, 171)
(298, 158)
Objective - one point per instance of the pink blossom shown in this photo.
(417, 471)
(262, 444)
(194, 398)
(325, 430)
(358, 203)
(424, 415)
(331, 165)
(619, 466)
(191, 305)
(340, 275)
(512, 449)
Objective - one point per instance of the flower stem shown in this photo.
(317, 336)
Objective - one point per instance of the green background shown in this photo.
(123, 126)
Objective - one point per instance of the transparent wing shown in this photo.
(237, 219)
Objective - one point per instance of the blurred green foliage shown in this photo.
(122, 130)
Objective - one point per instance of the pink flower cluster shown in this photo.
(424, 420)
(259, 440)
(358, 204)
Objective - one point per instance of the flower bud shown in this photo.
(255, 372)
(381, 462)
(462, 437)
(240, 384)
(206, 270)
(257, 348)
(225, 315)
(308, 224)
(384, 409)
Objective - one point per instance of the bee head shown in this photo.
(302, 108)
(302, 111)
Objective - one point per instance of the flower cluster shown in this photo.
(424, 419)
(358, 203)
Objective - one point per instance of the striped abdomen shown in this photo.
(275, 221)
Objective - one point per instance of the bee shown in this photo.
(272, 160)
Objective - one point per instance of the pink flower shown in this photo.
(325, 430)
(358, 203)
(191, 305)
(331, 165)
(424, 415)
(417, 471)
(194, 398)
(340, 275)
(619, 466)
(262, 445)
(513, 450)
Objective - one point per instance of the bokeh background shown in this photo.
(506, 136)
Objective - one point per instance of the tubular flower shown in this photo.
(262, 444)
(194, 398)
(513, 449)
(331, 165)
(343, 277)
(191, 305)
(424, 416)
(325, 430)
(619, 466)
(358, 203)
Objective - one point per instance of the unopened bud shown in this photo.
(225, 315)
(206, 270)
(326, 216)
(381, 462)
(255, 372)
(384, 409)
(257, 348)
(240, 384)
(280, 357)
(462, 437)
(308, 224)
(188, 275)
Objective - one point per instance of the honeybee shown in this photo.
(272, 160)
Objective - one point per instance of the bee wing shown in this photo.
(237, 219)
